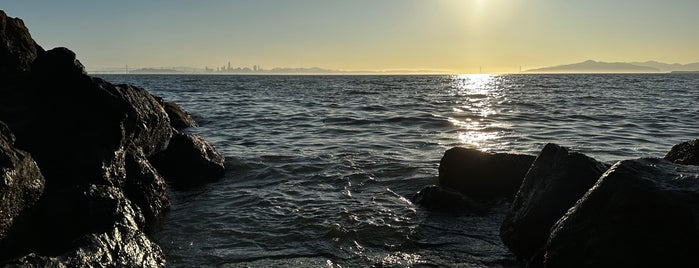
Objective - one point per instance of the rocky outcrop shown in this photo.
(686, 153)
(189, 161)
(640, 213)
(556, 180)
(18, 50)
(483, 175)
(21, 187)
(92, 141)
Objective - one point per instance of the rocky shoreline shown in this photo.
(85, 164)
(571, 210)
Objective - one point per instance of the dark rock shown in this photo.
(58, 62)
(179, 118)
(17, 48)
(21, 186)
(640, 213)
(556, 180)
(439, 199)
(483, 175)
(189, 160)
(686, 153)
(145, 187)
(104, 230)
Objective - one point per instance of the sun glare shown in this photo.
(475, 96)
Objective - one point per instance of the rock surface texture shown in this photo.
(557, 179)
(482, 175)
(79, 189)
(686, 153)
(640, 213)
(189, 161)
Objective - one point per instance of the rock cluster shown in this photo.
(76, 158)
(574, 211)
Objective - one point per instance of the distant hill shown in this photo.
(592, 66)
(665, 67)
(154, 71)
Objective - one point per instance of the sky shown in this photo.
(451, 36)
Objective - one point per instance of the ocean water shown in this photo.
(320, 169)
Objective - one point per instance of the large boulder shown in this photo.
(21, 187)
(556, 180)
(17, 49)
(189, 161)
(686, 153)
(483, 175)
(640, 213)
(103, 229)
(145, 187)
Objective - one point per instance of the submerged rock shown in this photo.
(439, 199)
(556, 180)
(686, 153)
(483, 175)
(21, 187)
(640, 213)
(189, 160)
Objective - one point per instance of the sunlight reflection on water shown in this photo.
(477, 94)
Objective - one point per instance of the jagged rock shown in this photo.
(145, 187)
(56, 63)
(483, 175)
(686, 153)
(640, 213)
(189, 160)
(556, 180)
(439, 199)
(17, 49)
(21, 186)
(179, 118)
(105, 229)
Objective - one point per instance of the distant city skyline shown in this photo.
(450, 36)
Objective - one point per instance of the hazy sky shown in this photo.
(448, 35)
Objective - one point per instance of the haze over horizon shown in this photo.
(457, 36)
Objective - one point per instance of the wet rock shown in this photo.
(145, 187)
(439, 199)
(179, 118)
(104, 229)
(556, 180)
(483, 175)
(640, 213)
(21, 186)
(17, 49)
(189, 160)
(686, 153)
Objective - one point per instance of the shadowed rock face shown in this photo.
(556, 180)
(18, 50)
(179, 118)
(439, 199)
(483, 175)
(189, 161)
(640, 213)
(21, 186)
(686, 153)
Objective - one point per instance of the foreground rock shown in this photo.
(179, 118)
(21, 186)
(556, 180)
(92, 141)
(640, 213)
(189, 161)
(483, 175)
(686, 153)
(104, 227)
